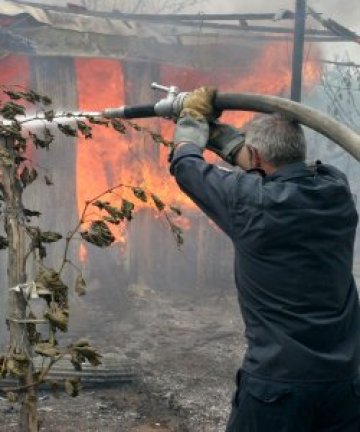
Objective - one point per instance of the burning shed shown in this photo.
(90, 60)
(86, 60)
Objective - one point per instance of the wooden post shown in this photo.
(16, 309)
(56, 77)
(298, 50)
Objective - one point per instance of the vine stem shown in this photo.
(40, 380)
(82, 219)
(71, 234)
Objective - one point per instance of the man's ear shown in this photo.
(243, 157)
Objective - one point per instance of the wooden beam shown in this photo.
(253, 29)
(160, 17)
(334, 27)
(14, 42)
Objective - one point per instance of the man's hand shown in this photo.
(192, 125)
(226, 141)
(199, 104)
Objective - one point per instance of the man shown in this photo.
(293, 229)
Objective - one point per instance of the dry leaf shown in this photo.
(80, 286)
(72, 386)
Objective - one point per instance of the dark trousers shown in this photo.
(268, 406)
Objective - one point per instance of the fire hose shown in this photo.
(337, 132)
(170, 107)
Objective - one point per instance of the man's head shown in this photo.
(272, 141)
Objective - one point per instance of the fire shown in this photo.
(15, 71)
(111, 158)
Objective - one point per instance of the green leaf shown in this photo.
(112, 220)
(13, 94)
(158, 203)
(10, 110)
(31, 96)
(46, 100)
(176, 210)
(49, 115)
(50, 236)
(44, 142)
(98, 234)
(127, 208)
(140, 193)
(135, 126)
(67, 130)
(98, 120)
(100, 204)
(31, 213)
(84, 128)
(159, 139)
(118, 126)
(116, 214)
(178, 234)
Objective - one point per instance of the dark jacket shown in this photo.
(293, 233)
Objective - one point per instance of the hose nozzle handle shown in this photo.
(129, 112)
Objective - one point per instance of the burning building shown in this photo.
(87, 60)
(91, 60)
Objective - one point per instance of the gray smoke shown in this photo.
(346, 13)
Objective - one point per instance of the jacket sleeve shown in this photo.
(209, 186)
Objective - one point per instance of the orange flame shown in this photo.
(112, 158)
(15, 71)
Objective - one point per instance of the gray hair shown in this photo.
(278, 140)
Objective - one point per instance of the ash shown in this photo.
(190, 352)
(185, 354)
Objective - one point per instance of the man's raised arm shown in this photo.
(209, 186)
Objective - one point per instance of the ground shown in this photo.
(185, 354)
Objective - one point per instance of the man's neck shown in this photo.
(268, 168)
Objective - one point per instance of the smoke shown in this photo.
(347, 14)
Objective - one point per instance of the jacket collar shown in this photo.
(293, 170)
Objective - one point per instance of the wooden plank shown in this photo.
(55, 77)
